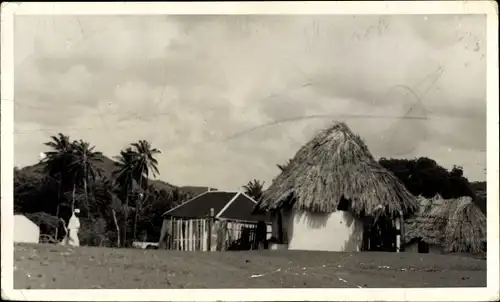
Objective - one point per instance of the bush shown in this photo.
(46, 222)
(93, 232)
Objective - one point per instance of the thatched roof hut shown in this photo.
(456, 224)
(426, 224)
(335, 166)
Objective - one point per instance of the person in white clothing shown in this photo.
(73, 227)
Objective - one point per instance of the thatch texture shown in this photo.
(336, 164)
(456, 224)
(429, 223)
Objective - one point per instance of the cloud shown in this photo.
(188, 83)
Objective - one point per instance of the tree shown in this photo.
(83, 168)
(479, 188)
(124, 181)
(154, 204)
(109, 204)
(57, 162)
(134, 165)
(144, 163)
(46, 222)
(178, 197)
(68, 166)
(254, 189)
(457, 171)
(30, 188)
(58, 159)
(69, 174)
(423, 176)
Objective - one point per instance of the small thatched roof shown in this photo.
(428, 224)
(337, 165)
(456, 224)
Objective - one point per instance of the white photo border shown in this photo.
(488, 8)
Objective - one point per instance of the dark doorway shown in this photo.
(344, 204)
(379, 235)
(423, 247)
(281, 235)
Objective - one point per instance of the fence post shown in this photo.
(211, 215)
(401, 231)
(172, 234)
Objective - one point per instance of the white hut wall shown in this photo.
(25, 230)
(338, 231)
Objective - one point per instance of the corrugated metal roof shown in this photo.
(241, 209)
(199, 206)
(226, 205)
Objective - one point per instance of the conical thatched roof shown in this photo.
(336, 165)
(457, 224)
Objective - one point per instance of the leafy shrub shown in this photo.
(46, 222)
(93, 232)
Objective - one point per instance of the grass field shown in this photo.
(50, 266)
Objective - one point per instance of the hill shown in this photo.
(107, 165)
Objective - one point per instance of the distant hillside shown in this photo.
(196, 190)
(107, 165)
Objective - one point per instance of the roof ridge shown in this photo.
(249, 197)
(218, 191)
(227, 205)
(184, 203)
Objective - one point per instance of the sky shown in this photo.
(226, 98)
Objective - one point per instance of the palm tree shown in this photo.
(58, 159)
(56, 164)
(254, 189)
(134, 165)
(83, 168)
(145, 162)
(124, 180)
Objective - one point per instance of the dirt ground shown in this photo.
(57, 267)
